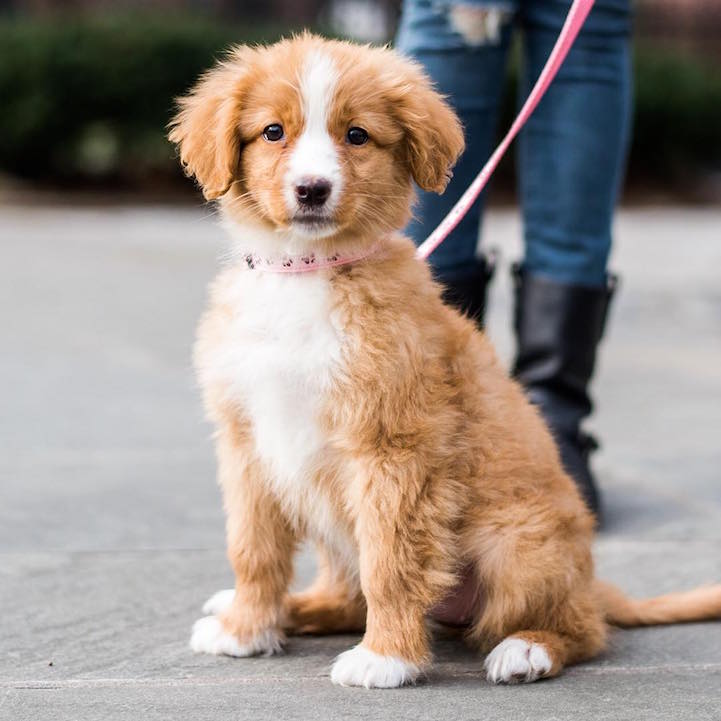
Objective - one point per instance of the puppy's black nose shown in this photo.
(312, 192)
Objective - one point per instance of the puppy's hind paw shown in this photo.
(219, 602)
(517, 661)
(209, 636)
(360, 666)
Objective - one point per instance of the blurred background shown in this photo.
(87, 87)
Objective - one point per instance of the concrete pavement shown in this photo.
(111, 534)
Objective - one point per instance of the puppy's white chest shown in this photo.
(278, 360)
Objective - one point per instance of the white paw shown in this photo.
(219, 602)
(209, 636)
(517, 661)
(362, 667)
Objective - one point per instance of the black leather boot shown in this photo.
(558, 328)
(466, 287)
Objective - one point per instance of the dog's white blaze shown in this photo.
(314, 154)
(278, 360)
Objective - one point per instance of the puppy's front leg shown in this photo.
(402, 572)
(247, 621)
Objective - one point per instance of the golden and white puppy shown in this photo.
(354, 408)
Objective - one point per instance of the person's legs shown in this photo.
(463, 47)
(571, 162)
(572, 152)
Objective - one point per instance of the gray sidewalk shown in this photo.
(111, 533)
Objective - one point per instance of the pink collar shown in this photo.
(305, 263)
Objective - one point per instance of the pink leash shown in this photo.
(576, 17)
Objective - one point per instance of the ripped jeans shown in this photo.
(571, 154)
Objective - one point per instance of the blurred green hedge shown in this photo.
(677, 121)
(84, 99)
(88, 100)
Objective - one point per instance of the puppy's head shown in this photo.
(317, 138)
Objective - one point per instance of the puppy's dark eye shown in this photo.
(357, 136)
(273, 132)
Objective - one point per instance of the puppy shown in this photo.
(354, 408)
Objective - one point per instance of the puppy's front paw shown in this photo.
(517, 661)
(361, 667)
(209, 636)
(220, 601)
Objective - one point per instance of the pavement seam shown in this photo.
(246, 680)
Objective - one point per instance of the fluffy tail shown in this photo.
(701, 604)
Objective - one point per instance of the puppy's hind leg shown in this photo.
(334, 602)
(573, 633)
(540, 612)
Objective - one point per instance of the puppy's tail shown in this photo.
(700, 604)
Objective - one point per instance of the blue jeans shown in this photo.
(571, 154)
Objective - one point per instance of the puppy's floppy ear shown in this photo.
(434, 134)
(206, 125)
